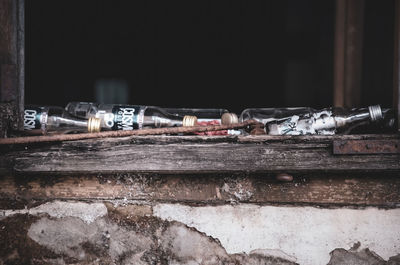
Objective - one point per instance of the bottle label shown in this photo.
(34, 118)
(126, 118)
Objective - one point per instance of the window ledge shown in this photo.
(197, 154)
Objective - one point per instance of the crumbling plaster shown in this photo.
(69, 232)
(307, 233)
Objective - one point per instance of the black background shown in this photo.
(225, 54)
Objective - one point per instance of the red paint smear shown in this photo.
(213, 122)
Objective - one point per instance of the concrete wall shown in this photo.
(125, 232)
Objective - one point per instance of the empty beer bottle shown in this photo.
(207, 115)
(327, 121)
(266, 115)
(202, 114)
(54, 120)
(129, 117)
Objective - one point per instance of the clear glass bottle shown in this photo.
(266, 115)
(328, 121)
(51, 120)
(129, 117)
(207, 116)
(203, 115)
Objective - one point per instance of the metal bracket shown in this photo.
(358, 147)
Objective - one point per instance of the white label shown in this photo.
(107, 118)
(127, 115)
(29, 119)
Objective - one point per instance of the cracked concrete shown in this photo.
(62, 232)
(307, 233)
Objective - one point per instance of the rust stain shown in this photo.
(350, 147)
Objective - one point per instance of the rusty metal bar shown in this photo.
(152, 131)
(358, 147)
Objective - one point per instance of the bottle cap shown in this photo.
(189, 121)
(375, 112)
(94, 124)
(229, 118)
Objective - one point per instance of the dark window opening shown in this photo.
(223, 54)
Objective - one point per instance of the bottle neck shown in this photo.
(57, 124)
(343, 121)
(372, 113)
(56, 121)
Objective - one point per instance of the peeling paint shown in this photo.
(106, 233)
(119, 235)
(306, 233)
(68, 236)
(355, 257)
(87, 212)
(273, 253)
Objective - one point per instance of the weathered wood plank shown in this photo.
(396, 63)
(12, 74)
(186, 155)
(348, 52)
(382, 190)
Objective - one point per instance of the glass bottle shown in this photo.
(52, 120)
(328, 121)
(266, 115)
(207, 116)
(202, 114)
(129, 117)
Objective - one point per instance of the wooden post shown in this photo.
(348, 52)
(396, 66)
(12, 73)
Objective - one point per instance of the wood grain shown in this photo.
(12, 74)
(360, 190)
(195, 155)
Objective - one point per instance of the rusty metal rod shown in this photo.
(151, 131)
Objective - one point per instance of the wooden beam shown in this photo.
(195, 154)
(380, 190)
(396, 65)
(348, 53)
(20, 61)
(12, 62)
(339, 53)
